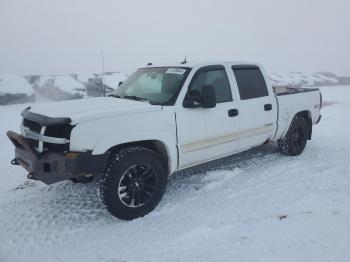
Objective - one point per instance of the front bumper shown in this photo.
(51, 167)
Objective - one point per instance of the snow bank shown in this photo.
(61, 87)
(343, 74)
(14, 84)
(114, 79)
(73, 86)
(65, 83)
(84, 77)
(69, 84)
(298, 79)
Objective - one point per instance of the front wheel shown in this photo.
(295, 140)
(133, 183)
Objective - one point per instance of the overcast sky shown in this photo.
(64, 36)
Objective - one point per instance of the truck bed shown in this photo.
(292, 100)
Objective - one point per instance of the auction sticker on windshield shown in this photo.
(179, 71)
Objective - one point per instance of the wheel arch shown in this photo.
(306, 114)
(166, 150)
(154, 145)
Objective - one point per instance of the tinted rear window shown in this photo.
(250, 81)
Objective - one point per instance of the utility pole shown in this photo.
(103, 73)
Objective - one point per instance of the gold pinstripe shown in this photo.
(225, 138)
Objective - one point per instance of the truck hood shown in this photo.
(92, 108)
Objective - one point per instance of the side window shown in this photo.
(218, 79)
(250, 81)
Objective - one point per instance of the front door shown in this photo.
(208, 133)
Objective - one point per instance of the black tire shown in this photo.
(133, 183)
(294, 142)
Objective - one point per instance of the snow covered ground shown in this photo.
(254, 206)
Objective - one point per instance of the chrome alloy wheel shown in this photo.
(137, 185)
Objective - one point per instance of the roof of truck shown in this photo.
(192, 64)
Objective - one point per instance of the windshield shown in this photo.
(157, 85)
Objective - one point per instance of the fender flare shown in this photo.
(167, 140)
(290, 119)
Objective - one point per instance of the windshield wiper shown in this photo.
(137, 98)
(112, 95)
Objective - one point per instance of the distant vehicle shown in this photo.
(160, 120)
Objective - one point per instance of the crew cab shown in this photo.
(160, 120)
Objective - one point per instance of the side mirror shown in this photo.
(195, 96)
(120, 83)
(193, 99)
(208, 97)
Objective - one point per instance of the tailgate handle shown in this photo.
(267, 107)
(232, 112)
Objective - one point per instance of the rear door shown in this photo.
(256, 110)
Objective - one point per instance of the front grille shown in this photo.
(58, 131)
(32, 125)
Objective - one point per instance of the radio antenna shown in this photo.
(103, 72)
(185, 60)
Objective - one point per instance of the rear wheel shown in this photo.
(295, 140)
(133, 183)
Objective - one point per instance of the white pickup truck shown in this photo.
(160, 120)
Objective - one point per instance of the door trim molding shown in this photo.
(186, 148)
